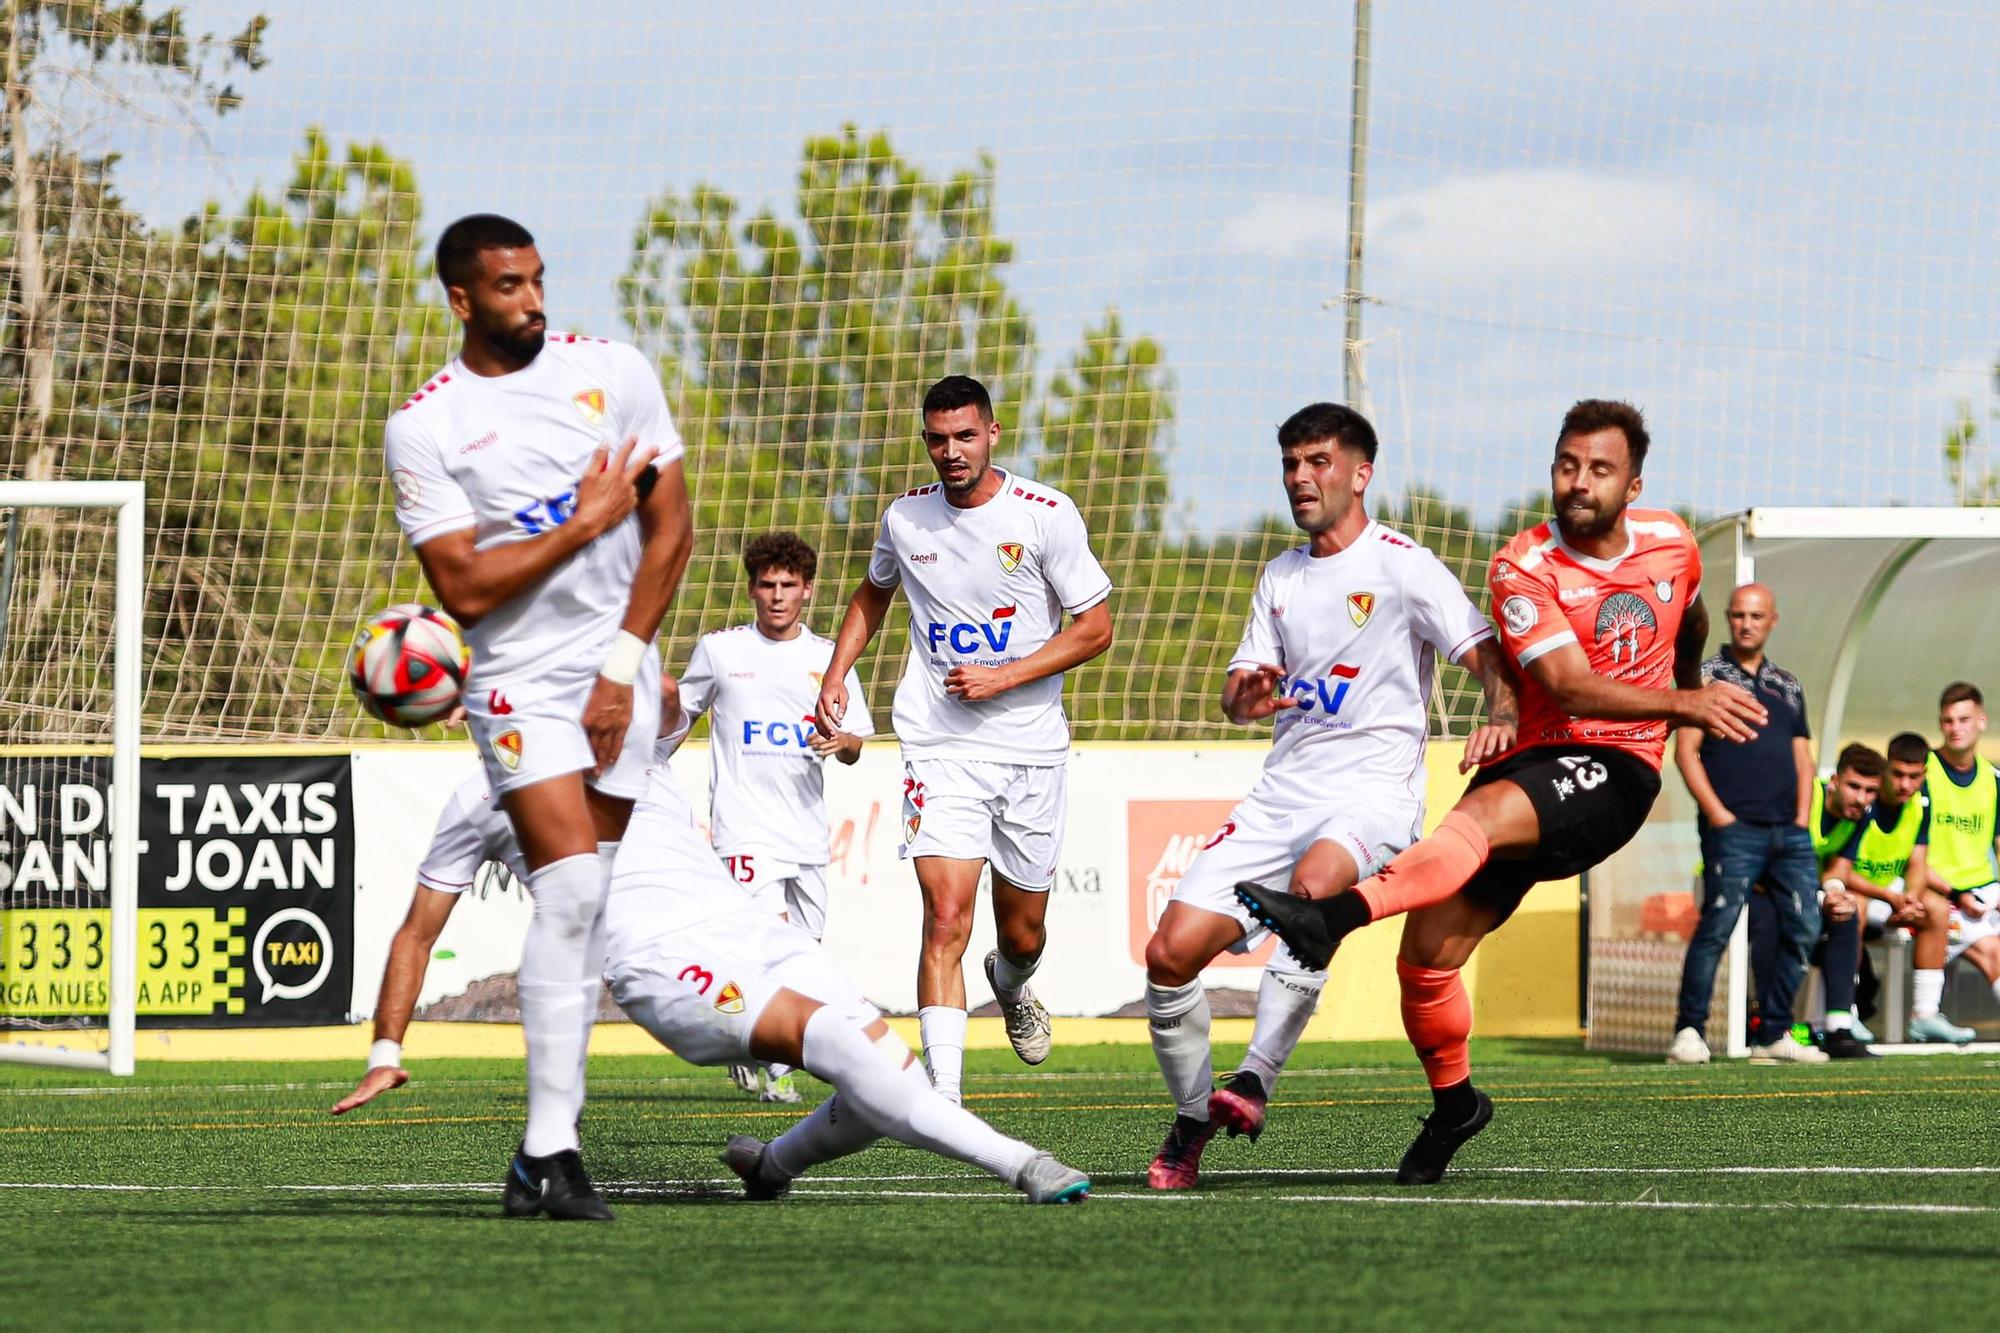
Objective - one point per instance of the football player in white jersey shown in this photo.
(990, 563)
(1344, 636)
(559, 558)
(716, 979)
(759, 684)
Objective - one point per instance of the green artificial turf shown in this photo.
(1604, 1192)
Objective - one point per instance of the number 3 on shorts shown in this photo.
(1589, 773)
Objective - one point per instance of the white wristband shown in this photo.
(385, 1054)
(621, 664)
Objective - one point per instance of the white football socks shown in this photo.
(555, 961)
(943, 1029)
(897, 1100)
(1926, 991)
(1009, 979)
(831, 1131)
(1177, 1018)
(1286, 999)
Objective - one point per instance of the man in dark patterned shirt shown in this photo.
(1756, 800)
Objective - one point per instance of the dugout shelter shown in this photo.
(1879, 609)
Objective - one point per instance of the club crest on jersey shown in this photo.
(590, 402)
(1666, 590)
(1010, 555)
(1360, 606)
(730, 998)
(1622, 616)
(507, 749)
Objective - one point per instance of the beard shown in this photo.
(973, 477)
(522, 344)
(1592, 522)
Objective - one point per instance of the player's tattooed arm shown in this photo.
(1087, 634)
(471, 583)
(1250, 694)
(666, 540)
(1487, 661)
(866, 611)
(402, 980)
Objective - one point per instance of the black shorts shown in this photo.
(1590, 800)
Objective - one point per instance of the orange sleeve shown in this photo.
(1526, 610)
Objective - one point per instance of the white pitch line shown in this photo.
(1669, 1204)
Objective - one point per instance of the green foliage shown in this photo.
(1973, 479)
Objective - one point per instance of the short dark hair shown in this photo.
(458, 248)
(1906, 747)
(956, 391)
(1858, 758)
(1590, 415)
(1958, 692)
(1328, 421)
(780, 550)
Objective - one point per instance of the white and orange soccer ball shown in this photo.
(408, 665)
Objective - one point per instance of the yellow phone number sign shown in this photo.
(55, 961)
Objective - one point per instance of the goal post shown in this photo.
(1879, 609)
(60, 595)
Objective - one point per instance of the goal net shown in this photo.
(70, 611)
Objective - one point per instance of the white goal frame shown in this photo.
(128, 500)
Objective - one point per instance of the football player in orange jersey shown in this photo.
(1600, 608)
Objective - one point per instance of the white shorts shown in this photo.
(1962, 931)
(530, 733)
(783, 888)
(1264, 843)
(700, 991)
(1008, 815)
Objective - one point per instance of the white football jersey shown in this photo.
(986, 586)
(502, 455)
(766, 788)
(471, 830)
(1358, 635)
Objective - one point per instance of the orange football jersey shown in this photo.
(1624, 612)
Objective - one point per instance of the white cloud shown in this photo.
(1285, 226)
(1547, 222)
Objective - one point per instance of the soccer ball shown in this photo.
(408, 665)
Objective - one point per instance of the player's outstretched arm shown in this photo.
(471, 583)
(1718, 709)
(1487, 661)
(865, 613)
(1087, 635)
(402, 980)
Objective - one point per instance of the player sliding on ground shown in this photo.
(990, 562)
(1601, 608)
(1343, 638)
(537, 539)
(719, 980)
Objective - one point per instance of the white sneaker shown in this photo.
(1936, 1027)
(1688, 1049)
(1028, 1026)
(1786, 1050)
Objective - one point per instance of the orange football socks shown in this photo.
(1429, 872)
(1438, 1018)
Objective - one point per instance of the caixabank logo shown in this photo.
(1162, 839)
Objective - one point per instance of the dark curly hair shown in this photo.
(780, 550)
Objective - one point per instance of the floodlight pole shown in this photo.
(1355, 386)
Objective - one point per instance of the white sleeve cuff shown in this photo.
(1090, 601)
(1548, 645)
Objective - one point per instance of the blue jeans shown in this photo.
(1733, 858)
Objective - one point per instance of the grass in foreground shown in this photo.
(1845, 1196)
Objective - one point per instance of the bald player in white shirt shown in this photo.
(1343, 641)
(560, 559)
(990, 563)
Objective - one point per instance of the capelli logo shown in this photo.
(489, 437)
(923, 557)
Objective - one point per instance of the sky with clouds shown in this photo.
(1770, 224)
